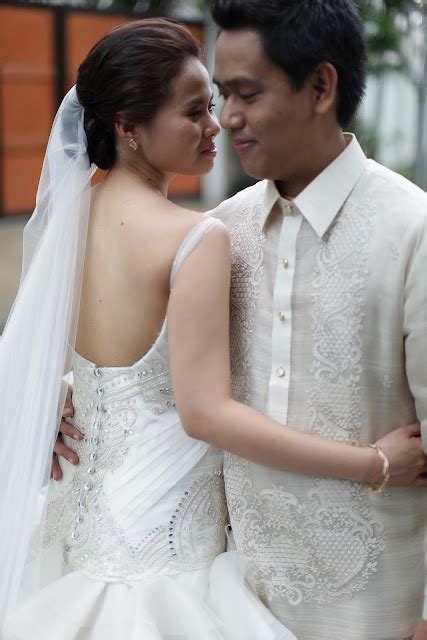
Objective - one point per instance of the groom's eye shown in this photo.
(249, 96)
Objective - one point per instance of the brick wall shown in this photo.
(28, 77)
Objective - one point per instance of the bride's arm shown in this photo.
(198, 330)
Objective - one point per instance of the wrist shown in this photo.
(379, 487)
(374, 469)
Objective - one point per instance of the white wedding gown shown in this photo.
(135, 534)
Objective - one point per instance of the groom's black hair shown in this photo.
(298, 35)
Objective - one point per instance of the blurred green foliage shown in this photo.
(386, 24)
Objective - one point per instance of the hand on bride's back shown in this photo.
(404, 451)
(421, 632)
(60, 449)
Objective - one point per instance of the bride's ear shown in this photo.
(125, 131)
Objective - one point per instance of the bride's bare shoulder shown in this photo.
(173, 221)
(154, 229)
(140, 212)
(186, 215)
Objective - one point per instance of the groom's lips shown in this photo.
(243, 144)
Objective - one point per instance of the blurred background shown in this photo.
(42, 44)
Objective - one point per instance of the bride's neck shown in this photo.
(144, 174)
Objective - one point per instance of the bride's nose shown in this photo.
(212, 127)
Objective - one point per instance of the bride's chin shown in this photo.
(199, 170)
(205, 165)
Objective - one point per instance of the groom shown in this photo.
(329, 319)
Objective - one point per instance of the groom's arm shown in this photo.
(415, 325)
(415, 335)
(60, 449)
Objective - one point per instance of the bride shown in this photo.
(129, 544)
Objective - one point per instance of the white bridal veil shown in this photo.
(36, 346)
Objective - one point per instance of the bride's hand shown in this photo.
(405, 453)
(60, 449)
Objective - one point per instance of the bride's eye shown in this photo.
(195, 114)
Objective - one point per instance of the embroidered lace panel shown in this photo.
(247, 241)
(326, 545)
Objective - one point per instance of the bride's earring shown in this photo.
(133, 144)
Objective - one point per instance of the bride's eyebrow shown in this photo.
(197, 101)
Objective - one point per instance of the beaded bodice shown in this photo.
(146, 499)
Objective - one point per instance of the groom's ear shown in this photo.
(324, 85)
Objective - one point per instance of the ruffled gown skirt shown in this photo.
(213, 603)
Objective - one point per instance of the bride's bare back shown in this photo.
(134, 234)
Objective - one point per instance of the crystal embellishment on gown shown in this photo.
(107, 410)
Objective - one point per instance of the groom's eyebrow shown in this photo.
(236, 81)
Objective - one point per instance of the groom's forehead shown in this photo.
(239, 44)
(239, 56)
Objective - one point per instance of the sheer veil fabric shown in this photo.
(37, 344)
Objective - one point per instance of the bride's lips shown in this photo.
(241, 144)
(210, 151)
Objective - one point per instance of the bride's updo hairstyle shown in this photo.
(127, 76)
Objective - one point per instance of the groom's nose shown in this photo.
(231, 114)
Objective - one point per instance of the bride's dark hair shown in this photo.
(127, 75)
